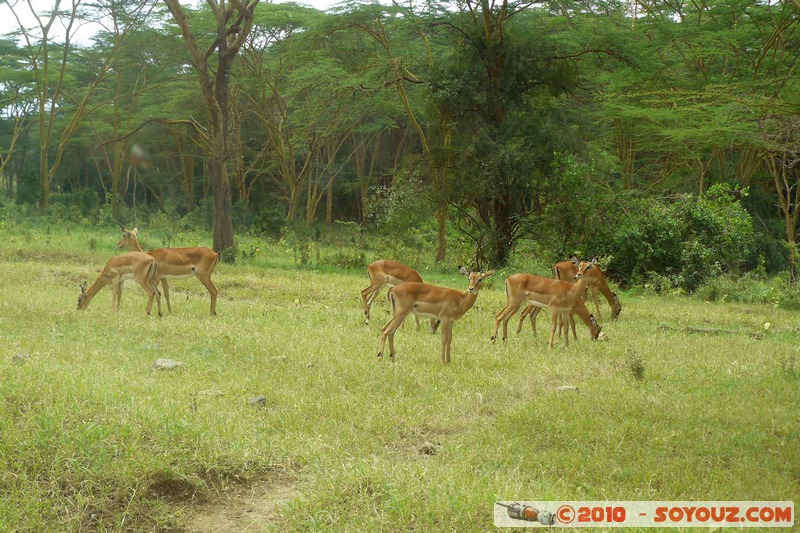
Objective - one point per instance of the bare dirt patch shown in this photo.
(241, 509)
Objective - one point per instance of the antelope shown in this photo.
(436, 303)
(383, 273)
(178, 263)
(561, 297)
(566, 270)
(132, 265)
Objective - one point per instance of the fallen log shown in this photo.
(713, 331)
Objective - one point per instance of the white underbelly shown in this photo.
(537, 304)
(426, 315)
(179, 276)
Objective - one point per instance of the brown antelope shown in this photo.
(566, 270)
(386, 273)
(561, 297)
(132, 265)
(178, 263)
(430, 301)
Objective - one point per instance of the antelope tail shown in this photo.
(151, 276)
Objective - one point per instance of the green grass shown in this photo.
(93, 439)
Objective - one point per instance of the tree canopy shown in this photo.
(498, 120)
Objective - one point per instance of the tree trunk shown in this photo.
(503, 233)
(791, 239)
(441, 233)
(223, 210)
(329, 207)
(214, 86)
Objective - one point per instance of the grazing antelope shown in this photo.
(430, 301)
(132, 265)
(566, 270)
(386, 273)
(178, 263)
(561, 297)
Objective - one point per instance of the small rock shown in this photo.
(166, 364)
(564, 388)
(427, 448)
(20, 358)
(258, 401)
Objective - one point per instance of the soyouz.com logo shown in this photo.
(644, 514)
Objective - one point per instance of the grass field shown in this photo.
(95, 439)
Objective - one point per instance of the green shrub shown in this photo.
(27, 192)
(345, 258)
(635, 364)
(395, 210)
(679, 243)
(751, 288)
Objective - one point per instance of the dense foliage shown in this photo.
(662, 140)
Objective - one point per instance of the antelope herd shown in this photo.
(148, 268)
(564, 294)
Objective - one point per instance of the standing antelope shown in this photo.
(430, 301)
(566, 270)
(132, 265)
(178, 263)
(383, 273)
(561, 297)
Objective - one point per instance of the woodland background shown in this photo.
(659, 136)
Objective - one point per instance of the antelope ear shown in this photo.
(594, 261)
(487, 274)
(574, 260)
(463, 270)
(135, 232)
(83, 286)
(122, 228)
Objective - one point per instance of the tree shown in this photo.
(53, 89)
(503, 90)
(399, 37)
(233, 22)
(16, 103)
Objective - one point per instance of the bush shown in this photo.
(752, 288)
(396, 210)
(682, 242)
(27, 192)
(345, 258)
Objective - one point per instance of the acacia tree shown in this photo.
(233, 20)
(781, 136)
(52, 91)
(503, 89)
(16, 103)
(400, 36)
(134, 72)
